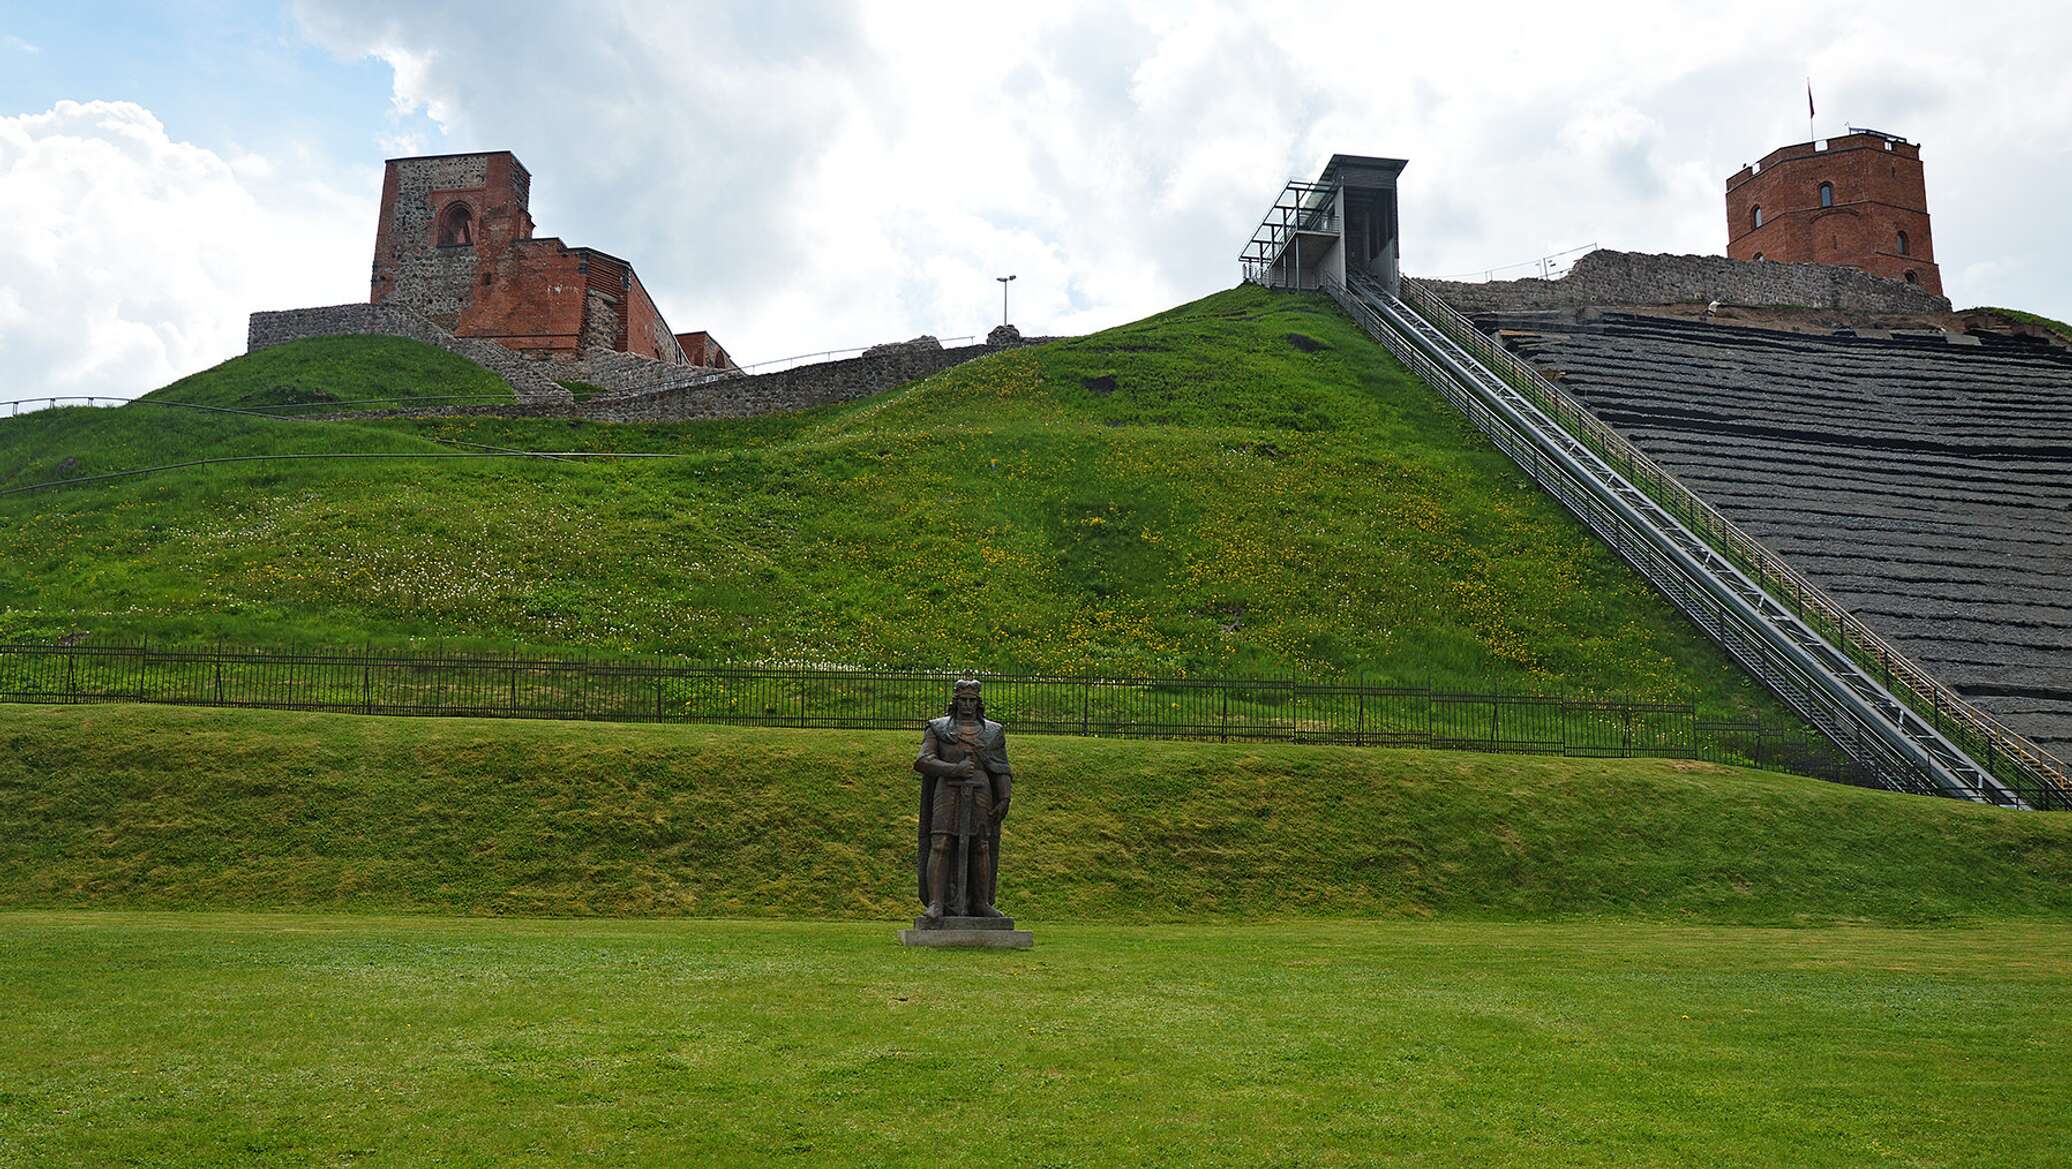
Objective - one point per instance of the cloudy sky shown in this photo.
(805, 176)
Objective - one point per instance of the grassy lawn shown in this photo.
(1195, 493)
(188, 1039)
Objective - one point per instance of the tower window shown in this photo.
(456, 226)
(1827, 194)
(1911, 278)
(1903, 250)
(1758, 215)
(1758, 257)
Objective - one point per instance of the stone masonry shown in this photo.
(650, 391)
(1634, 278)
(798, 388)
(529, 380)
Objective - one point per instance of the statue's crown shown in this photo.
(965, 686)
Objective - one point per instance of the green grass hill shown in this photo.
(331, 374)
(174, 808)
(1245, 484)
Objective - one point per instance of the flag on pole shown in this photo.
(1809, 97)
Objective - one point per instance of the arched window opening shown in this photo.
(1903, 249)
(1827, 194)
(1758, 257)
(1911, 278)
(1759, 215)
(456, 226)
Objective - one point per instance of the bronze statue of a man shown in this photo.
(965, 788)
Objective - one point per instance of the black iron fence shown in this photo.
(648, 690)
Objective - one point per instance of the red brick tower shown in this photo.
(444, 218)
(455, 244)
(1858, 200)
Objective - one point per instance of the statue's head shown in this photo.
(964, 700)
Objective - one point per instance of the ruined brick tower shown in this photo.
(1859, 200)
(455, 243)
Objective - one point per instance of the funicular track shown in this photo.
(1904, 730)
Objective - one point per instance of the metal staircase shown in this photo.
(1904, 730)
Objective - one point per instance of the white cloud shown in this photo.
(130, 258)
(801, 176)
(10, 41)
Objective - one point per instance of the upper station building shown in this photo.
(455, 243)
(1342, 224)
(1859, 200)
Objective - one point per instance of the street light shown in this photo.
(1003, 296)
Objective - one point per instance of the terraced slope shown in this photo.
(178, 808)
(1926, 484)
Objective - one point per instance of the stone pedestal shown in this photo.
(981, 933)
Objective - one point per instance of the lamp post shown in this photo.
(1003, 296)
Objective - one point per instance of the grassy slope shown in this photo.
(1233, 504)
(328, 374)
(2056, 326)
(178, 808)
(260, 1041)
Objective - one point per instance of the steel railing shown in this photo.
(1998, 749)
(1785, 652)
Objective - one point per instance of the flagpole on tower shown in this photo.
(1811, 136)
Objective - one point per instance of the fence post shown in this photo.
(1226, 711)
(1086, 695)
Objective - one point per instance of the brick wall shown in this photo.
(1879, 192)
(539, 296)
(1622, 278)
(533, 301)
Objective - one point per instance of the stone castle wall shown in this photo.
(799, 388)
(639, 389)
(530, 380)
(629, 373)
(1628, 278)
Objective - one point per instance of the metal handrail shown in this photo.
(1719, 598)
(1928, 697)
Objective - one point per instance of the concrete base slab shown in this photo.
(977, 939)
(964, 923)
